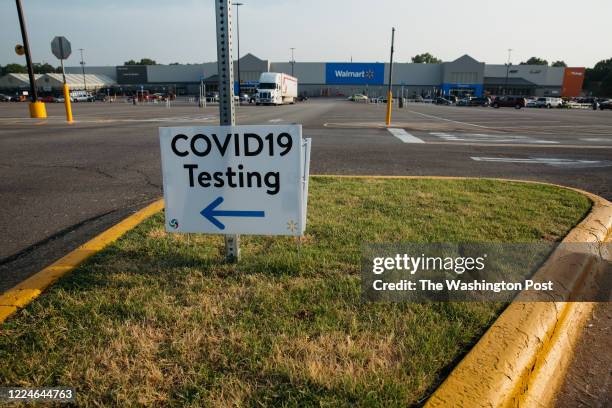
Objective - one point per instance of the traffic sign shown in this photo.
(60, 47)
(235, 179)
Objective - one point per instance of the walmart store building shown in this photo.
(464, 76)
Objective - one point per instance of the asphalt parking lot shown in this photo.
(62, 183)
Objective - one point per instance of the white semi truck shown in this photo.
(276, 89)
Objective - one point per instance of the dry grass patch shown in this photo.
(158, 319)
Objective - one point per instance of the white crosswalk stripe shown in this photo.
(404, 136)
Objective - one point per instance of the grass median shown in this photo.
(159, 319)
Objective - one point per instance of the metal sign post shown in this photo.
(227, 116)
(37, 109)
(61, 48)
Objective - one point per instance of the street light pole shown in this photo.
(389, 90)
(83, 69)
(26, 46)
(292, 60)
(238, 45)
(507, 71)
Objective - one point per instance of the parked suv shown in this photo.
(517, 102)
(480, 101)
(81, 96)
(548, 102)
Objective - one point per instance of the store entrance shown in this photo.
(462, 92)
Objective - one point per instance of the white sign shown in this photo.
(235, 179)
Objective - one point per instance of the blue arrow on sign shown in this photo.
(210, 213)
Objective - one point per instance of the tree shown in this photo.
(535, 61)
(605, 88)
(560, 63)
(599, 78)
(426, 58)
(143, 61)
(43, 68)
(14, 69)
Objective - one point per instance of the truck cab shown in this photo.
(276, 89)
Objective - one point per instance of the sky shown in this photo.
(114, 31)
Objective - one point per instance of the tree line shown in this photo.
(39, 68)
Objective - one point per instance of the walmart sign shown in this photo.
(354, 73)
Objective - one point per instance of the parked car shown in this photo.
(451, 98)
(5, 98)
(158, 97)
(302, 98)
(47, 99)
(605, 105)
(480, 101)
(531, 103)
(358, 98)
(546, 102)
(212, 97)
(442, 101)
(101, 97)
(517, 102)
(463, 102)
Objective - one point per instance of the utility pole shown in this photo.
(238, 35)
(83, 69)
(389, 90)
(292, 60)
(227, 117)
(37, 109)
(507, 71)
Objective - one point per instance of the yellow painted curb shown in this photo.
(522, 359)
(29, 289)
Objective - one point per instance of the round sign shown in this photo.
(19, 49)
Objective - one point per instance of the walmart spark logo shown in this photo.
(174, 223)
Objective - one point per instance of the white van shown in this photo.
(548, 102)
(81, 96)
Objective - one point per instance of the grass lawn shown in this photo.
(159, 319)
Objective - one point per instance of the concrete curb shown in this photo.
(31, 288)
(523, 358)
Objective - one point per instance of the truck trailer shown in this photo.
(276, 89)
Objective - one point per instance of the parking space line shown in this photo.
(448, 120)
(550, 161)
(404, 136)
(486, 138)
